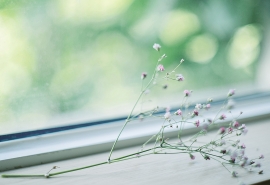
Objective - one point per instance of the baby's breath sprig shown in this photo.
(222, 148)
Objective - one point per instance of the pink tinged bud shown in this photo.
(192, 157)
(167, 115)
(261, 156)
(257, 165)
(234, 173)
(197, 123)
(180, 77)
(231, 92)
(243, 146)
(143, 76)
(236, 124)
(221, 130)
(230, 130)
(243, 126)
(222, 117)
(156, 47)
(195, 113)
(178, 112)
(242, 163)
(208, 106)
(160, 67)
(187, 93)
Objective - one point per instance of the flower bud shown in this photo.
(156, 47)
(231, 92)
(144, 75)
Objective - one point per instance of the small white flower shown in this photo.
(167, 115)
(234, 173)
(198, 106)
(156, 46)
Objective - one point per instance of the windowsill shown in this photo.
(156, 169)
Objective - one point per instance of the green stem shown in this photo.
(13, 176)
(127, 120)
(76, 169)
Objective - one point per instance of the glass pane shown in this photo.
(69, 61)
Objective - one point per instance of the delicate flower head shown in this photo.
(207, 106)
(244, 131)
(187, 93)
(230, 130)
(180, 77)
(198, 106)
(261, 156)
(235, 124)
(156, 47)
(178, 112)
(231, 92)
(160, 67)
(234, 154)
(222, 117)
(167, 115)
(195, 113)
(242, 163)
(221, 130)
(144, 75)
(257, 165)
(234, 173)
(243, 146)
(191, 156)
(197, 123)
(243, 126)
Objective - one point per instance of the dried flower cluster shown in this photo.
(223, 148)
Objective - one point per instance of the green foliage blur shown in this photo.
(63, 56)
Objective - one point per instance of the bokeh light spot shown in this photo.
(245, 47)
(178, 25)
(202, 48)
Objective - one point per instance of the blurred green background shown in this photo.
(62, 57)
